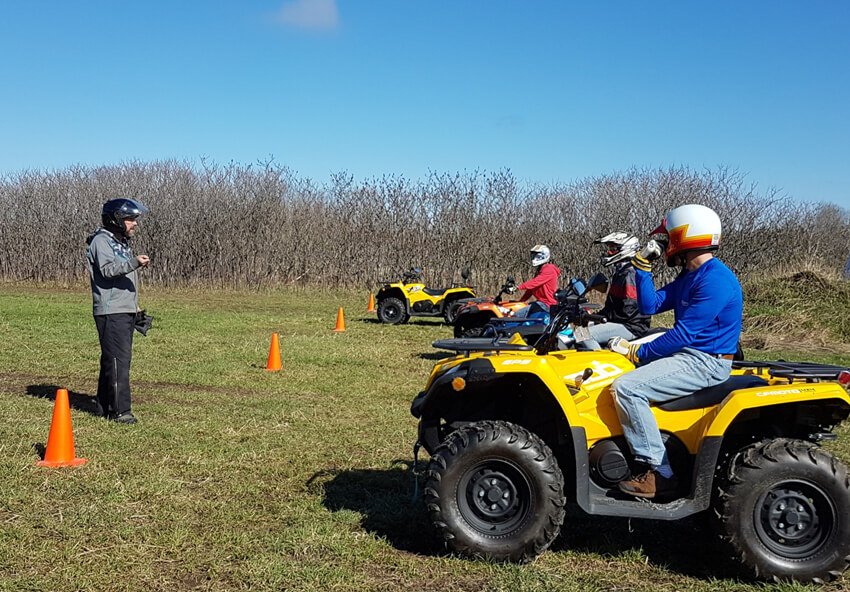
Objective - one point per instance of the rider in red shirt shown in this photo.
(544, 284)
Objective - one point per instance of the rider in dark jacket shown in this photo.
(621, 308)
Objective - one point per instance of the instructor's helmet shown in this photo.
(539, 255)
(689, 228)
(620, 247)
(115, 211)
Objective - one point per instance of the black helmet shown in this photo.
(115, 211)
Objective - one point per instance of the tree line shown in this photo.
(262, 225)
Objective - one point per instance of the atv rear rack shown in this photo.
(808, 371)
(479, 344)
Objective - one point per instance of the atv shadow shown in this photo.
(384, 499)
(688, 547)
(417, 322)
(79, 401)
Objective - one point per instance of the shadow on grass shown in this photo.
(688, 547)
(417, 321)
(384, 498)
(79, 401)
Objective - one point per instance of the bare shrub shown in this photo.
(261, 225)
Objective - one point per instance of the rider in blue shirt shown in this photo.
(696, 353)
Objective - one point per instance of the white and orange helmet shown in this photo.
(689, 228)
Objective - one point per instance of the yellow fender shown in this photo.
(722, 416)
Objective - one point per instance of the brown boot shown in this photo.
(648, 485)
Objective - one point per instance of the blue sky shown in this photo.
(553, 90)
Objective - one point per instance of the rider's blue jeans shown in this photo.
(602, 333)
(535, 308)
(665, 379)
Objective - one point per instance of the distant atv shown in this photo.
(475, 313)
(397, 301)
(517, 432)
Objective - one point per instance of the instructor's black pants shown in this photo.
(115, 332)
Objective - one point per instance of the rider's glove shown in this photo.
(650, 251)
(621, 346)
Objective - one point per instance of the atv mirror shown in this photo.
(511, 279)
(465, 273)
(598, 282)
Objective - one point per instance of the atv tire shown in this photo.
(470, 325)
(450, 311)
(392, 311)
(494, 489)
(785, 510)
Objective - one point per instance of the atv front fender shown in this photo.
(521, 389)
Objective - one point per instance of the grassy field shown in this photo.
(240, 479)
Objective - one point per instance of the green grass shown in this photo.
(236, 478)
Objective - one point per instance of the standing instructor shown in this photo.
(115, 299)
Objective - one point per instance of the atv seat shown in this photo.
(434, 291)
(714, 394)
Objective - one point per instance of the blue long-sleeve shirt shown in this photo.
(709, 307)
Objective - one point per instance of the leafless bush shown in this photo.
(261, 225)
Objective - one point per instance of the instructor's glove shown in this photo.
(143, 322)
(650, 252)
(621, 346)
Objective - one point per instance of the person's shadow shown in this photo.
(385, 500)
(79, 401)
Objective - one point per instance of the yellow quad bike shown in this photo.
(397, 301)
(515, 432)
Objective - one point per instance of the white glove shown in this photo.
(651, 250)
(621, 346)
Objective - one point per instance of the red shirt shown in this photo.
(543, 285)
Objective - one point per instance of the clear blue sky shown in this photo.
(553, 90)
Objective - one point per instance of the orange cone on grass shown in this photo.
(273, 364)
(60, 442)
(371, 307)
(340, 321)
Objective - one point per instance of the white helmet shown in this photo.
(691, 227)
(621, 246)
(539, 255)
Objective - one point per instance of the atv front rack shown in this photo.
(808, 371)
(479, 344)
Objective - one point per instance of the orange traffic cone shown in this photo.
(273, 365)
(340, 321)
(60, 442)
(371, 307)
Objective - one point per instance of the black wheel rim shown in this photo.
(391, 312)
(795, 519)
(494, 497)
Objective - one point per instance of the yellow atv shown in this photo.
(515, 432)
(397, 301)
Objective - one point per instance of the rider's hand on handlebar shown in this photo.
(621, 346)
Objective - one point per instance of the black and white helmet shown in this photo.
(620, 246)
